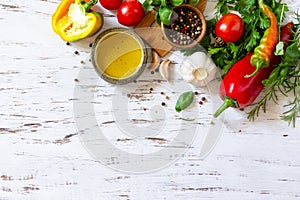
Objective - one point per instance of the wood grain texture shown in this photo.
(42, 156)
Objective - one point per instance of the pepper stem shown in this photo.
(258, 63)
(228, 102)
(87, 5)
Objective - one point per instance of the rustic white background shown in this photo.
(42, 157)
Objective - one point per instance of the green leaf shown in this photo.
(233, 49)
(254, 39)
(279, 49)
(163, 3)
(176, 2)
(292, 53)
(184, 101)
(264, 22)
(165, 14)
(156, 2)
(213, 51)
(147, 5)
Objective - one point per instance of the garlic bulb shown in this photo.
(198, 69)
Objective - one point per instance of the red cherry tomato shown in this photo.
(130, 13)
(230, 28)
(111, 4)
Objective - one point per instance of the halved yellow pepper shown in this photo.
(74, 20)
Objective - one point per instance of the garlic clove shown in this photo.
(155, 61)
(164, 69)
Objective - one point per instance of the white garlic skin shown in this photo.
(198, 69)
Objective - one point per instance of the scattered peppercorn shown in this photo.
(68, 43)
(76, 80)
(167, 97)
(81, 62)
(152, 72)
(203, 99)
(186, 28)
(76, 52)
(196, 93)
(91, 44)
(151, 89)
(162, 93)
(163, 104)
(157, 70)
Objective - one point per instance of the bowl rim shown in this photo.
(198, 39)
(133, 76)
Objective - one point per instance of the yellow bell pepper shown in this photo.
(74, 20)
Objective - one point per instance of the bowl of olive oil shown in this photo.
(119, 55)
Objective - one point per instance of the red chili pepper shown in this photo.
(238, 91)
(264, 51)
(286, 33)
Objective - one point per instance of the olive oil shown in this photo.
(119, 55)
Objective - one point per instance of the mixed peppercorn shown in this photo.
(186, 28)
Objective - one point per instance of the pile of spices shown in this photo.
(186, 28)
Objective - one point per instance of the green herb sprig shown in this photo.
(284, 79)
(255, 23)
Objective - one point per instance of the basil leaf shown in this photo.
(165, 14)
(176, 2)
(292, 53)
(184, 101)
(156, 2)
(147, 5)
(163, 3)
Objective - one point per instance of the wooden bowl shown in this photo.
(168, 33)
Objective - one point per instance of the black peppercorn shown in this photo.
(186, 28)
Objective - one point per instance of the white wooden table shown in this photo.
(44, 156)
